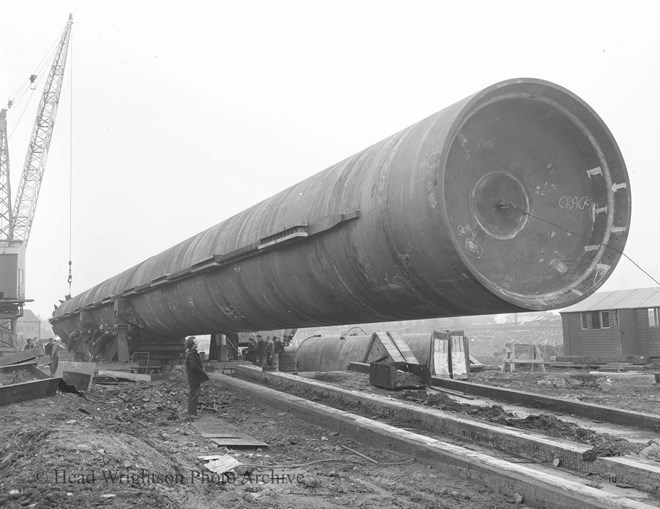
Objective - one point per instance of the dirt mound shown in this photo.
(603, 444)
(442, 401)
(612, 448)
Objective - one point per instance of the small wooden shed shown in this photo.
(615, 326)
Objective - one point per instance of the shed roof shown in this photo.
(618, 299)
(29, 316)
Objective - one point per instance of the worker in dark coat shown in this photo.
(252, 349)
(270, 351)
(261, 351)
(194, 373)
(54, 358)
(278, 349)
(48, 347)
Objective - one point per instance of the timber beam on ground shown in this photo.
(578, 408)
(641, 474)
(539, 486)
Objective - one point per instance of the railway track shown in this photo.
(547, 471)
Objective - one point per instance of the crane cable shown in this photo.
(30, 85)
(70, 278)
(508, 205)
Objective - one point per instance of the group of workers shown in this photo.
(51, 348)
(95, 343)
(264, 352)
(91, 344)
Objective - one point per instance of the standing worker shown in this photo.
(261, 351)
(194, 373)
(54, 358)
(48, 348)
(279, 349)
(252, 349)
(270, 350)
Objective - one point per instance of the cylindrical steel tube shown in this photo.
(514, 199)
(334, 353)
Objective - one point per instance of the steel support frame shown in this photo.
(8, 319)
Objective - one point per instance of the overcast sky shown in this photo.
(185, 113)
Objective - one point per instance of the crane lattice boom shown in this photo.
(6, 219)
(35, 161)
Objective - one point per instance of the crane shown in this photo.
(6, 216)
(16, 223)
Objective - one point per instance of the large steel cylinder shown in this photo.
(513, 199)
(334, 352)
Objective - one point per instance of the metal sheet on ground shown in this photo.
(77, 368)
(81, 381)
(225, 434)
(28, 390)
(15, 358)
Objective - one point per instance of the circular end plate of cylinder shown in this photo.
(536, 194)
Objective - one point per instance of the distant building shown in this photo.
(28, 326)
(616, 326)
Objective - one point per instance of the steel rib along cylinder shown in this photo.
(513, 199)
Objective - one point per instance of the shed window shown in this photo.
(605, 319)
(595, 320)
(654, 317)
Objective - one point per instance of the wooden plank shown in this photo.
(525, 361)
(116, 366)
(125, 374)
(390, 347)
(460, 363)
(219, 434)
(360, 367)
(402, 346)
(88, 368)
(214, 425)
(440, 355)
(245, 441)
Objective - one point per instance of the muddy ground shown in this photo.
(618, 390)
(128, 445)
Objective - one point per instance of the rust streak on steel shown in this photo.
(488, 206)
